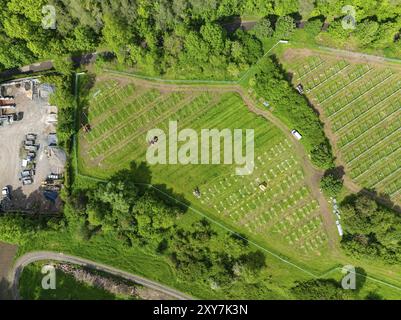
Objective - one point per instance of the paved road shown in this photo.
(48, 255)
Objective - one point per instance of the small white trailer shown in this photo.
(339, 228)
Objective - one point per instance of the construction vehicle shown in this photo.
(296, 134)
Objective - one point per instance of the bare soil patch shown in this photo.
(7, 254)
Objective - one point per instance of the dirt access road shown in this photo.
(28, 258)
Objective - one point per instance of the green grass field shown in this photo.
(67, 288)
(361, 105)
(284, 216)
(284, 220)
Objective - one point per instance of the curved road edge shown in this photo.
(31, 257)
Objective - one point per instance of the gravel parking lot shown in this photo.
(12, 136)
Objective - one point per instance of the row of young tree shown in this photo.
(179, 37)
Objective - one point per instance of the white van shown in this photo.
(296, 134)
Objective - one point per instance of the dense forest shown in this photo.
(186, 37)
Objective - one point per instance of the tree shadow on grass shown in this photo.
(337, 172)
(381, 198)
(86, 84)
(360, 278)
(139, 176)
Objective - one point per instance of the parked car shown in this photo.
(18, 116)
(5, 192)
(31, 136)
(55, 176)
(27, 173)
(32, 148)
(296, 134)
(27, 181)
(31, 155)
(29, 142)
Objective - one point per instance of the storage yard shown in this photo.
(31, 165)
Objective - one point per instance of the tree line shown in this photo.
(271, 83)
(183, 38)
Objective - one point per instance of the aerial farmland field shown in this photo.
(360, 103)
(121, 110)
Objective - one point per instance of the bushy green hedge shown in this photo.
(371, 230)
(294, 110)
